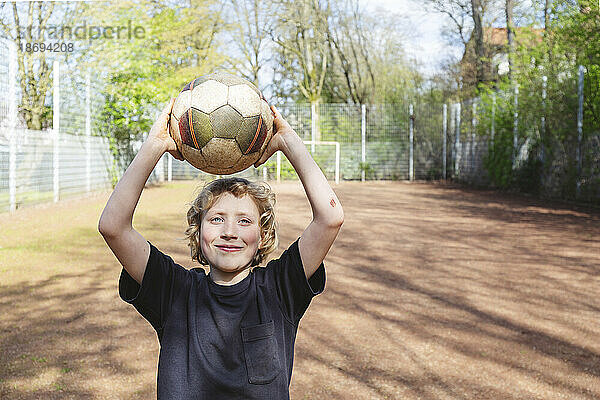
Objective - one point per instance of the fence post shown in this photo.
(160, 169)
(579, 128)
(493, 116)
(265, 173)
(337, 163)
(56, 129)
(313, 126)
(515, 127)
(278, 166)
(451, 131)
(363, 134)
(473, 128)
(457, 140)
(543, 130)
(12, 122)
(88, 134)
(411, 169)
(445, 129)
(170, 168)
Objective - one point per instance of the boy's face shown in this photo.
(230, 235)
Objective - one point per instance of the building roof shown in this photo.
(499, 36)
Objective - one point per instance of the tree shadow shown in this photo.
(425, 269)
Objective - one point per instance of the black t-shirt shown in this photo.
(224, 342)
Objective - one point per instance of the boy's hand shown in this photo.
(160, 131)
(282, 131)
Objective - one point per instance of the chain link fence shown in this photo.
(542, 138)
(533, 137)
(69, 159)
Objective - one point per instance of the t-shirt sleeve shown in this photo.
(162, 281)
(294, 291)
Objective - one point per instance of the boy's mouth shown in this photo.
(228, 248)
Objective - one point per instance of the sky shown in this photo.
(427, 44)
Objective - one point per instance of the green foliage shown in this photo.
(367, 168)
(125, 119)
(572, 39)
(142, 73)
(498, 162)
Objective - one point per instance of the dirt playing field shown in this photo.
(433, 291)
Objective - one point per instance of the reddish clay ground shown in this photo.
(433, 291)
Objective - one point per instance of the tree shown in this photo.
(351, 48)
(143, 72)
(478, 33)
(249, 36)
(301, 37)
(509, 35)
(34, 68)
(302, 46)
(467, 21)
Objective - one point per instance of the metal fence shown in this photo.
(69, 158)
(392, 142)
(421, 139)
(540, 138)
(375, 140)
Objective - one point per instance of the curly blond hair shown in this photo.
(260, 193)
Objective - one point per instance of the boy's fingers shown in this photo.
(274, 111)
(278, 120)
(263, 158)
(176, 154)
(168, 106)
(260, 161)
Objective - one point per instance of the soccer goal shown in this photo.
(313, 145)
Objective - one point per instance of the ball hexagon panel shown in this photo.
(194, 157)
(252, 135)
(267, 114)
(244, 100)
(200, 80)
(182, 104)
(195, 128)
(226, 122)
(174, 130)
(228, 79)
(221, 153)
(222, 171)
(209, 95)
(268, 122)
(246, 161)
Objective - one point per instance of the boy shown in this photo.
(229, 334)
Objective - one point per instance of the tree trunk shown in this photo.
(547, 35)
(509, 35)
(547, 6)
(478, 32)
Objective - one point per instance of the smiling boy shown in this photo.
(229, 334)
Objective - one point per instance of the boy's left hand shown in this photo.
(281, 131)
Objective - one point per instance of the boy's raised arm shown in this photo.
(328, 215)
(115, 224)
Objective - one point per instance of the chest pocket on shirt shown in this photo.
(260, 351)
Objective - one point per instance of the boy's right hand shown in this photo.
(282, 132)
(160, 131)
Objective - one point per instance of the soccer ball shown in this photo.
(221, 123)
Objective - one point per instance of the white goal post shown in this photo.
(313, 142)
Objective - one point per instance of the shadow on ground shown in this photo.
(433, 291)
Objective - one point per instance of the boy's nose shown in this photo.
(229, 231)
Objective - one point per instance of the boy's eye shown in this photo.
(216, 219)
(245, 221)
